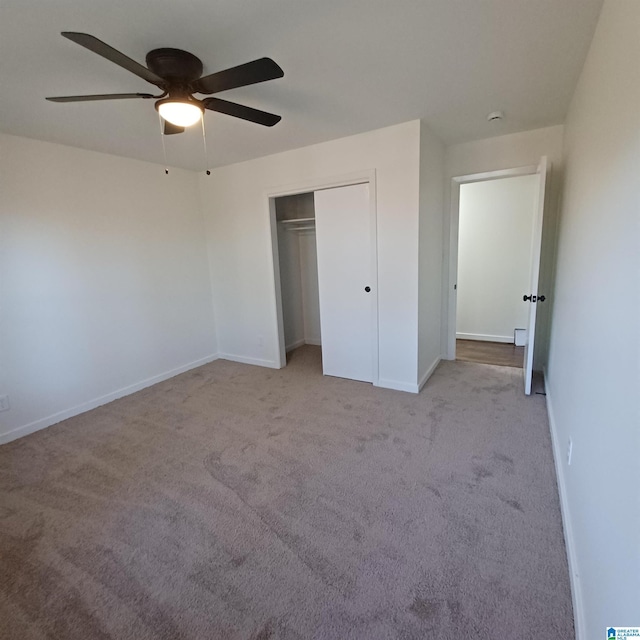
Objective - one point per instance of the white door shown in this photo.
(345, 272)
(535, 271)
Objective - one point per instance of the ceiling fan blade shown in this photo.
(170, 129)
(250, 73)
(102, 96)
(240, 111)
(102, 49)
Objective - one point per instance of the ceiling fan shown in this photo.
(179, 75)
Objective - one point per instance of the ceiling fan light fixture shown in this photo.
(178, 74)
(182, 113)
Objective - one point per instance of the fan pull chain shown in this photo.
(164, 150)
(204, 141)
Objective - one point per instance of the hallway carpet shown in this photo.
(241, 503)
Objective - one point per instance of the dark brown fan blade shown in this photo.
(102, 96)
(250, 73)
(102, 49)
(240, 111)
(170, 129)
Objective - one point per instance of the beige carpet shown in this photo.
(234, 502)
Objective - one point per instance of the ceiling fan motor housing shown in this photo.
(174, 65)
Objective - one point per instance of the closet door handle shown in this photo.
(367, 289)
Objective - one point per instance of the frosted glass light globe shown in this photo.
(182, 114)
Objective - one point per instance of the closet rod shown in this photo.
(297, 220)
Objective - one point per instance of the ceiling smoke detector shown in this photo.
(495, 116)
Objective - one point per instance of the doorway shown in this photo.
(324, 259)
(495, 241)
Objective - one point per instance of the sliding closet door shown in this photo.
(346, 281)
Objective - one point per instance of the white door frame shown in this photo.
(452, 298)
(367, 176)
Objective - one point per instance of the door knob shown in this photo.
(541, 298)
(367, 289)
(525, 298)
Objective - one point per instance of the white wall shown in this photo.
(235, 203)
(593, 380)
(506, 152)
(105, 283)
(431, 253)
(495, 232)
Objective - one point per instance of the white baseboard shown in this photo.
(484, 337)
(258, 362)
(574, 573)
(428, 373)
(43, 423)
(409, 386)
(299, 343)
(397, 385)
(294, 345)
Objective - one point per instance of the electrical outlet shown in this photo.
(569, 452)
(4, 403)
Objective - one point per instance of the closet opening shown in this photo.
(298, 262)
(324, 251)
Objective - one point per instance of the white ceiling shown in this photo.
(350, 66)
